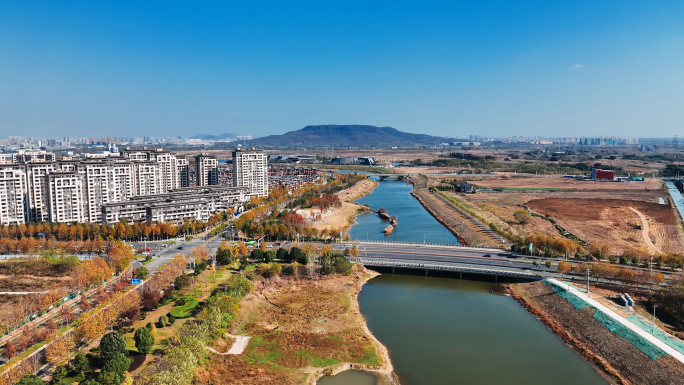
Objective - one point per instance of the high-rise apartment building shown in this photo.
(250, 169)
(66, 197)
(13, 194)
(206, 170)
(80, 189)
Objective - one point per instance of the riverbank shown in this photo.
(302, 330)
(467, 233)
(614, 357)
(343, 217)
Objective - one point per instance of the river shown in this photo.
(414, 223)
(448, 331)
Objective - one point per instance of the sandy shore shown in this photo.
(342, 217)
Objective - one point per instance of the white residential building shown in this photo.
(250, 169)
(13, 194)
(206, 170)
(67, 197)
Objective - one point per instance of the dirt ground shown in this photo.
(619, 354)
(589, 215)
(342, 217)
(300, 330)
(624, 224)
(360, 189)
(557, 182)
(336, 217)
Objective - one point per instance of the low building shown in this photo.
(598, 174)
(467, 187)
(198, 202)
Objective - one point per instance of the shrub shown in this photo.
(171, 318)
(181, 281)
(269, 256)
(163, 322)
(143, 315)
(281, 254)
(80, 363)
(59, 374)
(257, 255)
(251, 276)
(142, 272)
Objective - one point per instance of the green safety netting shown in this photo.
(635, 339)
(666, 338)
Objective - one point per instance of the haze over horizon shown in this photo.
(440, 68)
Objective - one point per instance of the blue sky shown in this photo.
(453, 68)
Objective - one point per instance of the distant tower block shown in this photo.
(675, 141)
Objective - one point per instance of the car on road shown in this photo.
(179, 248)
(487, 255)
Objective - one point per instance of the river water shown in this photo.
(414, 223)
(449, 331)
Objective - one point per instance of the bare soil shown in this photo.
(624, 224)
(558, 182)
(614, 357)
(589, 215)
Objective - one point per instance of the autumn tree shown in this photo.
(563, 268)
(522, 216)
(10, 350)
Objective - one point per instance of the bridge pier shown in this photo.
(392, 269)
(496, 279)
(426, 272)
(460, 275)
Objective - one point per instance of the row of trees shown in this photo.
(94, 323)
(613, 272)
(93, 231)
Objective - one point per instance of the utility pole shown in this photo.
(653, 324)
(588, 274)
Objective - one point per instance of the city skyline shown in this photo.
(444, 69)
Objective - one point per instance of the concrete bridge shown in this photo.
(448, 258)
(395, 176)
(450, 267)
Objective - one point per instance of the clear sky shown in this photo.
(453, 68)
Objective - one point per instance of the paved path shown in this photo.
(641, 332)
(238, 347)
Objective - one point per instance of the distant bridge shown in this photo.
(386, 176)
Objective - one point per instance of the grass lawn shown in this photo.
(185, 311)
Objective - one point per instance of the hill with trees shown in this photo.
(347, 136)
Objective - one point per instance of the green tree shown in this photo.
(30, 380)
(142, 272)
(257, 255)
(200, 267)
(117, 364)
(269, 256)
(58, 374)
(112, 344)
(144, 340)
(281, 254)
(548, 264)
(80, 363)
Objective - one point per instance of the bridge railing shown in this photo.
(453, 268)
(431, 244)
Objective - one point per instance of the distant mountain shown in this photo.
(347, 136)
(225, 135)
